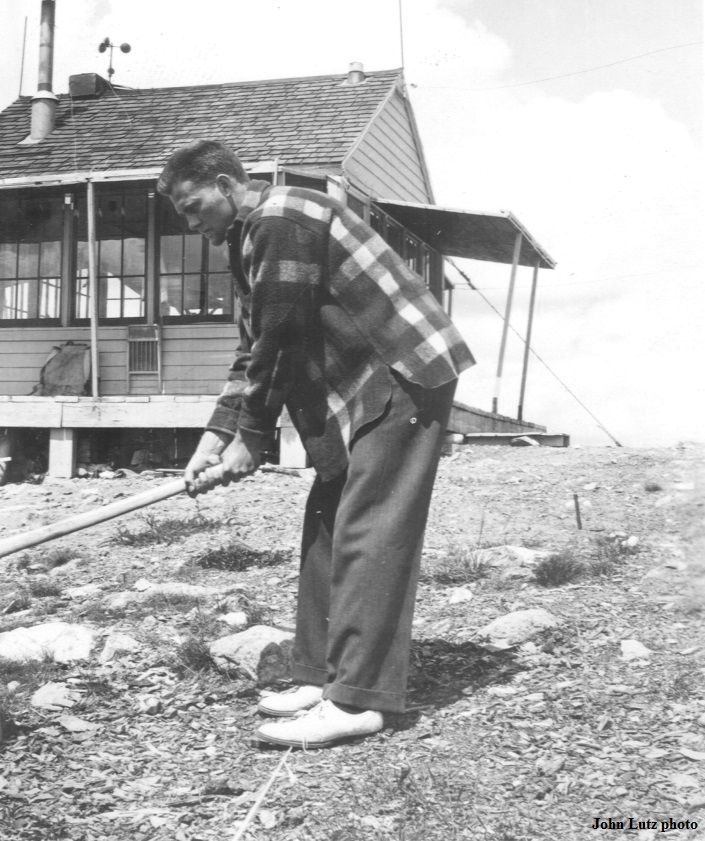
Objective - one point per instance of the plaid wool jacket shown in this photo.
(327, 308)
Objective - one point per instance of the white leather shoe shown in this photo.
(321, 727)
(291, 701)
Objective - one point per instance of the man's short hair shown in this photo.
(200, 161)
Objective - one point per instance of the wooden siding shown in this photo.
(195, 357)
(387, 161)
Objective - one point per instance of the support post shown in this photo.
(507, 314)
(62, 453)
(527, 345)
(93, 288)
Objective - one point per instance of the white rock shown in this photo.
(118, 643)
(517, 627)
(59, 640)
(83, 592)
(13, 686)
(458, 595)
(526, 557)
(262, 651)
(634, 650)
(54, 696)
(141, 585)
(237, 619)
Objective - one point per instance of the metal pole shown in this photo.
(24, 48)
(507, 313)
(93, 289)
(527, 345)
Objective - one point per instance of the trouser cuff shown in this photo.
(365, 699)
(301, 673)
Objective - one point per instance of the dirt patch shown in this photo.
(536, 742)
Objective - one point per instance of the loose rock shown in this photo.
(515, 628)
(262, 651)
(60, 641)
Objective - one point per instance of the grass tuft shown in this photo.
(43, 588)
(459, 565)
(170, 530)
(237, 557)
(558, 569)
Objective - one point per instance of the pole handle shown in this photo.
(90, 518)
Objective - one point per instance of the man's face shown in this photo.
(207, 208)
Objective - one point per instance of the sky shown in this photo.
(584, 119)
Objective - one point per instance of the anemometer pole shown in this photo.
(505, 327)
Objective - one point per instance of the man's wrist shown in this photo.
(214, 442)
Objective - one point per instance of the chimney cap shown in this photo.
(356, 73)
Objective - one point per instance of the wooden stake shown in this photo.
(577, 511)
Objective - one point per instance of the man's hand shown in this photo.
(220, 459)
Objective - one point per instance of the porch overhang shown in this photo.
(471, 234)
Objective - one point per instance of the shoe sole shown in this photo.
(293, 743)
(283, 714)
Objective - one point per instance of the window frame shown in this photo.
(204, 274)
(23, 195)
(123, 188)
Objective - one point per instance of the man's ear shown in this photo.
(224, 184)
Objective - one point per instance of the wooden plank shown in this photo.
(546, 439)
(31, 414)
(137, 415)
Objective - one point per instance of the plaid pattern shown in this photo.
(327, 308)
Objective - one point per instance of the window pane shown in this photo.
(110, 262)
(7, 298)
(220, 300)
(193, 251)
(135, 213)
(82, 295)
(49, 298)
(192, 295)
(9, 220)
(109, 217)
(50, 260)
(218, 259)
(8, 259)
(170, 295)
(133, 256)
(28, 263)
(23, 290)
(134, 298)
(41, 219)
(171, 254)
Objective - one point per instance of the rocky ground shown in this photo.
(598, 719)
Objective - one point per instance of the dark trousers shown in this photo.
(361, 549)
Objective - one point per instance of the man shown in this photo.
(336, 327)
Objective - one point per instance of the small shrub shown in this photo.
(459, 566)
(557, 569)
(43, 588)
(194, 655)
(166, 531)
(652, 487)
(237, 557)
(59, 557)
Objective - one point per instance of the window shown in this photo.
(121, 232)
(194, 279)
(31, 232)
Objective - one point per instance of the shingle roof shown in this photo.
(304, 121)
